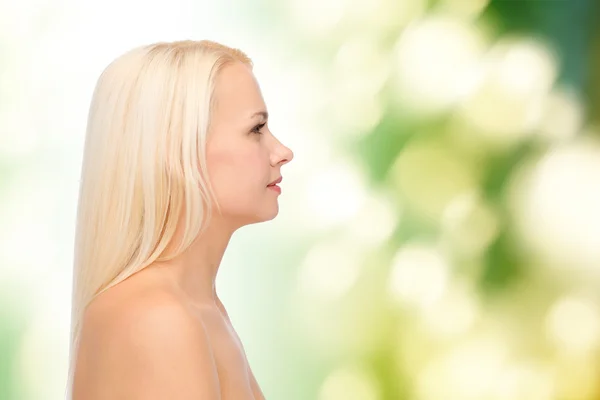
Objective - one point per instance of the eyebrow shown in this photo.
(263, 114)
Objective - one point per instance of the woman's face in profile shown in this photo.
(243, 156)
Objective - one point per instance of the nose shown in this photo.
(282, 155)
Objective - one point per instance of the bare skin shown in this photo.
(131, 307)
(163, 333)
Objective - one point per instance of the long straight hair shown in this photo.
(144, 164)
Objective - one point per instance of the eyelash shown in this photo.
(258, 127)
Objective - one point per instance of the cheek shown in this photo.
(236, 173)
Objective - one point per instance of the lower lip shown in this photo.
(275, 188)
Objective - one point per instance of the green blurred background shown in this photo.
(439, 232)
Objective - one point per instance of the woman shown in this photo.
(178, 156)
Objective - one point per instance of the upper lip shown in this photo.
(275, 182)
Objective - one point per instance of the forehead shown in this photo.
(237, 93)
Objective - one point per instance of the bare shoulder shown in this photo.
(144, 344)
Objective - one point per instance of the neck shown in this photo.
(194, 272)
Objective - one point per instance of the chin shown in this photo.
(267, 216)
(258, 218)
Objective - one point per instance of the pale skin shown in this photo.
(163, 333)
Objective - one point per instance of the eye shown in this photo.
(258, 127)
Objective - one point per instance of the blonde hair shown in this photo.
(144, 164)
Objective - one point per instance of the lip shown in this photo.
(275, 188)
(276, 181)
